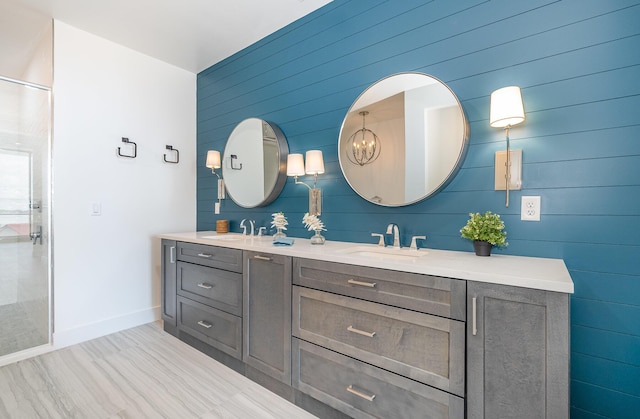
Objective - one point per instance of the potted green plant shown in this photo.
(486, 230)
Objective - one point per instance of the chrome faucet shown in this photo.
(244, 227)
(393, 229)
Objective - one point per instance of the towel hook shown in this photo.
(234, 157)
(177, 155)
(135, 149)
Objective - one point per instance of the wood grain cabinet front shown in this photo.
(517, 352)
(425, 293)
(169, 283)
(426, 348)
(365, 391)
(267, 314)
(212, 326)
(213, 256)
(215, 287)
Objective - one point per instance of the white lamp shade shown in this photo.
(506, 107)
(213, 159)
(315, 163)
(295, 165)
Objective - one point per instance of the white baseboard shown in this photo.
(64, 338)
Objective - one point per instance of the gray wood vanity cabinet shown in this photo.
(267, 314)
(168, 285)
(344, 339)
(517, 352)
(390, 361)
(209, 295)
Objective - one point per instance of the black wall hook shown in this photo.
(135, 149)
(177, 155)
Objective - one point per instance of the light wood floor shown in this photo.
(137, 373)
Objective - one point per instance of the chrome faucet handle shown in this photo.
(381, 240)
(261, 231)
(414, 244)
(244, 227)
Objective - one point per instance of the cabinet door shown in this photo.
(267, 314)
(517, 352)
(168, 279)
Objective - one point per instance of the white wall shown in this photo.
(106, 268)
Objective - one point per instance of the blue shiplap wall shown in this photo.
(578, 63)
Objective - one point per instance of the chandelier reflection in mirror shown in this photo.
(364, 145)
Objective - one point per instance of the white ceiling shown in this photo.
(191, 34)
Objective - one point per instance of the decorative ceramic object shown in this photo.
(279, 223)
(317, 238)
(313, 223)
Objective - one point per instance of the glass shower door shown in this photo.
(24, 216)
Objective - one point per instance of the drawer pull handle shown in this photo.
(204, 255)
(358, 393)
(361, 283)
(205, 324)
(172, 254)
(361, 332)
(474, 309)
(205, 285)
(261, 257)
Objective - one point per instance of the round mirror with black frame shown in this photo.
(403, 139)
(254, 166)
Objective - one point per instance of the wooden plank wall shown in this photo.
(578, 64)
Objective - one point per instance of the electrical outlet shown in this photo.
(530, 208)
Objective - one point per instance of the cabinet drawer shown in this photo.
(428, 294)
(364, 391)
(216, 257)
(214, 287)
(420, 346)
(214, 327)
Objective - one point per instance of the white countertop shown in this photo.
(527, 272)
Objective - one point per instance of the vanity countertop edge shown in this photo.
(520, 271)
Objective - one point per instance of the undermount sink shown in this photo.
(225, 237)
(387, 253)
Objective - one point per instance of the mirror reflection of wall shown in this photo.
(422, 132)
(253, 164)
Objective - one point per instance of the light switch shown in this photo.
(96, 208)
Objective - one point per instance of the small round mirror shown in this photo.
(255, 163)
(403, 140)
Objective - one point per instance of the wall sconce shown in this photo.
(315, 167)
(506, 111)
(213, 163)
(363, 147)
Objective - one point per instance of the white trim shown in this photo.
(64, 338)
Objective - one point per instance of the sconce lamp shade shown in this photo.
(506, 107)
(315, 163)
(213, 159)
(295, 165)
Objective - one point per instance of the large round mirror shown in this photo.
(403, 139)
(255, 163)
